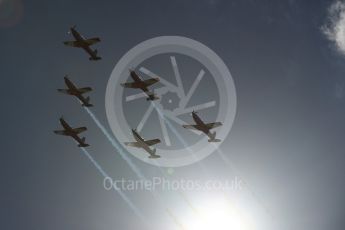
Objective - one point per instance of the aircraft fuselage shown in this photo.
(81, 42)
(72, 89)
(65, 125)
(77, 35)
(68, 129)
(137, 137)
(138, 82)
(69, 132)
(200, 124)
(141, 141)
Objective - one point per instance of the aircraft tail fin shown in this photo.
(94, 57)
(153, 154)
(153, 151)
(83, 144)
(212, 137)
(152, 96)
(87, 102)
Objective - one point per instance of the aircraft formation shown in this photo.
(138, 83)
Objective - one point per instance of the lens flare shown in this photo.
(11, 12)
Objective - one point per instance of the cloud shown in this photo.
(334, 28)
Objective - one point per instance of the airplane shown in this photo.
(138, 83)
(72, 132)
(78, 92)
(145, 144)
(81, 42)
(204, 127)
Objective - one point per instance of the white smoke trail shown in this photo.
(114, 143)
(183, 142)
(136, 170)
(123, 196)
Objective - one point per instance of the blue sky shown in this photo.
(287, 62)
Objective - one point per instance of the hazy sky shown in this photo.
(287, 62)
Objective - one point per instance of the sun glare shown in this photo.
(219, 214)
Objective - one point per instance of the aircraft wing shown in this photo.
(190, 127)
(213, 125)
(133, 144)
(129, 85)
(60, 132)
(84, 90)
(152, 142)
(151, 81)
(65, 91)
(79, 130)
(72, 43)
(92, 41)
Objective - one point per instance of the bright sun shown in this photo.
(219, 214)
